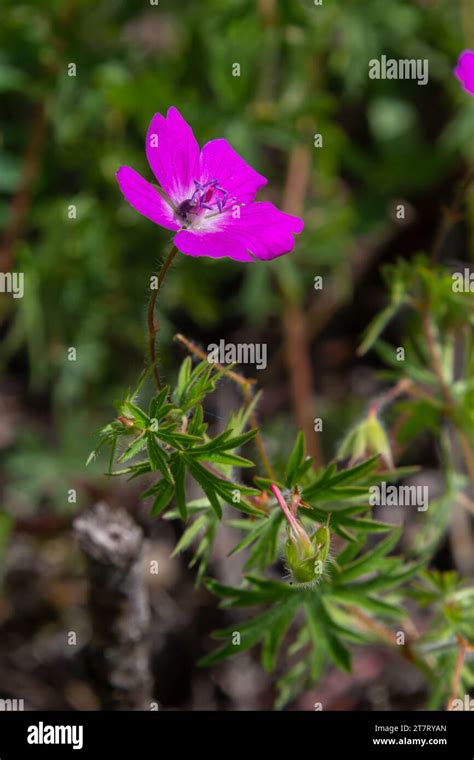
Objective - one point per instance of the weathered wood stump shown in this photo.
(119, 650)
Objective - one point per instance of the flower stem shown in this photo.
(463, 647)
(153, 325)
(297, 529)
(401, 387)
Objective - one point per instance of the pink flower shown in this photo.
(464, 71)
(206, 196)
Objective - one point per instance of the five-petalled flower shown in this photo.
(206, 196)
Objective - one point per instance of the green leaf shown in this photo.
(224, 442)
(378, 325)
(190, 534)
(351, 597)
(252, 536)
(358, 472)
(228, 459)
(369, 561)
(183, 376)
(207, 484)
(135, 447)
(276, 633)
(158, 405)
(174, 438)
(138, 414)
(336, 649)
(241, 596)
(164, 494)
(178, 470)
(158, 458)
(197, 426)
(295, 461)
(319, 646)
(385, 582)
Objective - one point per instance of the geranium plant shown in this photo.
(344, 583)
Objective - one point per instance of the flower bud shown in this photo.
(128, 424)
(366, 439)
(306, 556)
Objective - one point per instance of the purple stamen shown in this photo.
(205, 197)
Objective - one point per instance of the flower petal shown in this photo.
(145, 198)
(262, 231)
(464, 71)
(173, 154)
(218, 160)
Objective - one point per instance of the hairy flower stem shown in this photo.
(153, 325)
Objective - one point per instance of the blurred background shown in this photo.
(303, 72)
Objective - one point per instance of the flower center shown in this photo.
(209, 196)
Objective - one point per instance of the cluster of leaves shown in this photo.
(450, 601)
(438, 362)
(173, 434)
(427, 295)
(362, 575)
